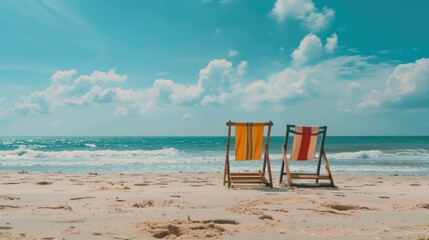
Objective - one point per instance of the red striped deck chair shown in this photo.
(249, 145)
(305, 142)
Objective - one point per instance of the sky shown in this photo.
(185, 68)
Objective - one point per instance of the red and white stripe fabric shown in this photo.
(304, 143)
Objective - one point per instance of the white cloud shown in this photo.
(292, 8)
(83, 90)
(232, 53)
(212, 87)
(317, 21)
(284, 87)
(406, 88)
(121, 111)
(305, 11)
(186, 116)
(241, 68)
(216, 80)
(95, 76)
(64, 75)
(331, 43)
(216, 72)
(220, 98)
(325, 79)
(170, 93)
(308, 50)
(352, 87)
(219, 82)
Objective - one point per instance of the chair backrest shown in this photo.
(249, 139)
(305, 141)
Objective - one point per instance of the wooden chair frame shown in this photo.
(316, 176)
(248, 177)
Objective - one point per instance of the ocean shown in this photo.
(346, 155)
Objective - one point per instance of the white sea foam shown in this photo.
(403, 154)
(23, 153)
(92, 145)
(171, 159)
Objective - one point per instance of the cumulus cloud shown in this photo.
(288, 85)
(310, 49)
(331, 43)
(221, 82)
(406, 88)
(305, 11)
(82, 90)
(296, 84)
(64, 75)
(232, 52)
(214, 86)
(216, 79)
(170, 93)
(241, 68)
(317, 21)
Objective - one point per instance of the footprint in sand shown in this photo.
(8, 206)
(344, 207)
(147, 203)
(266, 216)
(9, 198)
(10, 183)
(423, 205)
(186, 228)
(44, 183)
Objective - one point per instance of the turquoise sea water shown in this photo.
(357, 155)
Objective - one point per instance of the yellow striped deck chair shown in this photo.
(249, 145)
(306, 140)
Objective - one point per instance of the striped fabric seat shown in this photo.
(304, 143)
(248, 142)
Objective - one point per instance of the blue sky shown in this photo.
(150, 68)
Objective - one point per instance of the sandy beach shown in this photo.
(197, 206)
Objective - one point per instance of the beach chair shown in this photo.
(305, 143)
(249, 145)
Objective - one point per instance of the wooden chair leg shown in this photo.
(328, 170)
(269, 169)
(228, 174)
(224, 173)
(286, 164)
(265, 163)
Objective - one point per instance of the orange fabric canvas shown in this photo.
(248, 142)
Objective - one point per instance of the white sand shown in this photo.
(196, 205)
